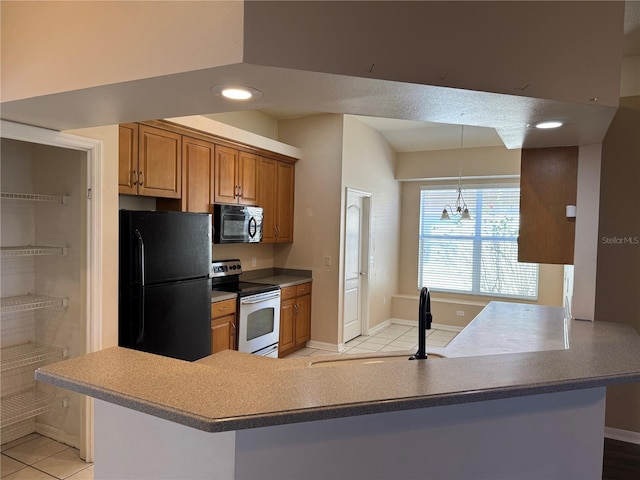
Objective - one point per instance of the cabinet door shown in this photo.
(267, 171)
(223, 334)
(197, 175)
(128, 158)
(284, 203)
(159, 163)
(548, 183)
(226, 175)
(287, 335)
(247, 178)
(303, 319)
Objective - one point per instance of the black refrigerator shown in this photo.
(164, 304)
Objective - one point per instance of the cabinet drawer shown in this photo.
(225, 307)
(287, 292)
(303, 289)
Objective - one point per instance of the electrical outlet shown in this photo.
(460, 313)
(327, 261)
(384, 300)
(253, 261)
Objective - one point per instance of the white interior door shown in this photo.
(355, 263)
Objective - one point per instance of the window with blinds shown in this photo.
(477, 256)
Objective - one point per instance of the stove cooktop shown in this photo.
(244, 289)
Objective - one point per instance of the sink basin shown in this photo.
(357, 360)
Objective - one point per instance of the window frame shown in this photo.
(476, 238)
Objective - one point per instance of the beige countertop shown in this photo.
(509, 350)
(217, 296)
(285, 280)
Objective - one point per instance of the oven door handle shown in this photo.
(261, 297)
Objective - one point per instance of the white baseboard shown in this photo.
(381, 326)
(434, 326)
(57, 435)
(622, 435)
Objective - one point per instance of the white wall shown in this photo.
(368, 164)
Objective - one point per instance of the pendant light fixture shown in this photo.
(461, 208)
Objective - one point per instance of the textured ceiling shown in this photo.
(490, 75)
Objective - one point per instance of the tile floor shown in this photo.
(392, 338)
(35, 457)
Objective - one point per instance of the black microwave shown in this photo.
(236, 224)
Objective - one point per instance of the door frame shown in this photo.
(365, 248)
(94, 259)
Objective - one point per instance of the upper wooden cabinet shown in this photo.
(197, 178)
(276, 189)
(152, 169)
(189, 170)
(128, 159)
(236, 176)
(548, 183)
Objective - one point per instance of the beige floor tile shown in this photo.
(28, 473)
(402, 345)
(35, 450)
(86, 474)
(387, 334)
(306, 351)
(371, 347)
(9, 465)
(18, 441)
(322, 353)
(378, 340)
(408, 338)
(63, 464)
(398, 328)
(358, 351)
(354, 342)
(390, 348)
(437, 343)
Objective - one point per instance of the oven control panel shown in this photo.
(223, 268)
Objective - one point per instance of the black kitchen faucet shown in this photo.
(424, 324)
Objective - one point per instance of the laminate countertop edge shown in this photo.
(226, 391)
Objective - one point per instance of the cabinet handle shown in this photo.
(141, 177)
(134, 177)
(237, 190)
(222, 309)
(240, 190)
(296, 308)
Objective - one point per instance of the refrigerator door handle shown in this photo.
(142, 285)
(140, 256)
(141, 326)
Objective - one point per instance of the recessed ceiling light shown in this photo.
(548, 124)
(234, 92)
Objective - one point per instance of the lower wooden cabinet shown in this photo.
(295, 318)
(223, 326)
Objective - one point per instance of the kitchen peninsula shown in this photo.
(526, 401)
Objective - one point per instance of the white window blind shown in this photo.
(477, 256)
